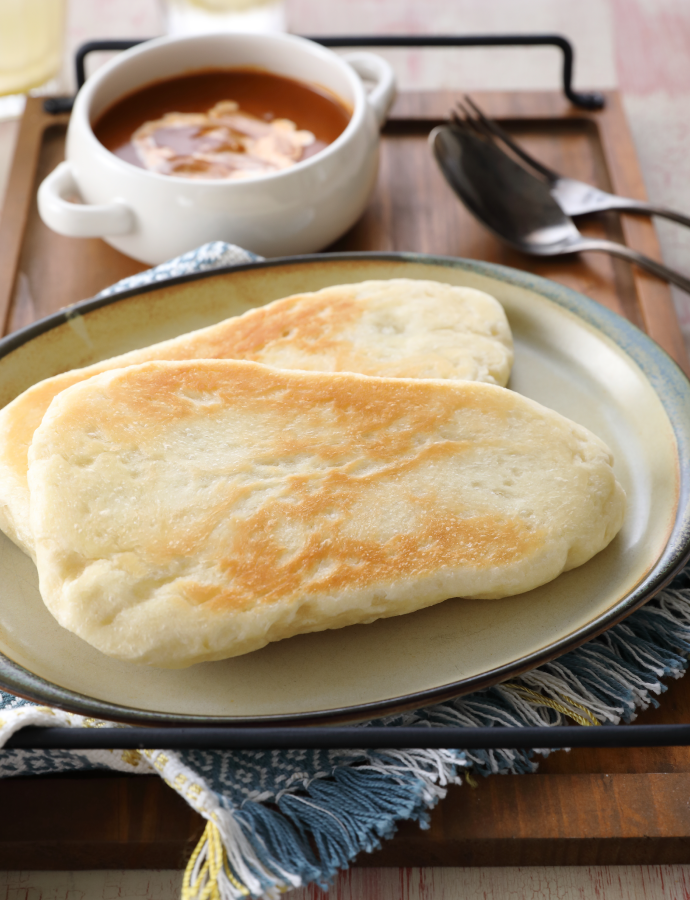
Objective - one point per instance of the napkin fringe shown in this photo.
(308, 836)
(312, 829)
(607, 680)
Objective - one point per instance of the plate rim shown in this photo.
(654, 362)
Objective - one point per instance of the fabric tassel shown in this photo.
(207, 876)
(341, 816)
(352, 808)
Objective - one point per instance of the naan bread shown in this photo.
(399, 328)
(191, 511)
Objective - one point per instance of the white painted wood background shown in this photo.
(532, 883)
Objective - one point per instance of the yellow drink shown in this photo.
(31, 33)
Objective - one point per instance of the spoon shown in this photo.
(517, 206)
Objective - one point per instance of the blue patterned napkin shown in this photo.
(283, 819)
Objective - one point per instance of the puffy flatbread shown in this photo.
(399, 328)
(191, 511)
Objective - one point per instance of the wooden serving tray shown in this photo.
(582, 808)
(412, 209)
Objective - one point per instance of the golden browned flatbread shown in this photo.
(191, 511)
(401, 327)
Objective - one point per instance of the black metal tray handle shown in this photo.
(348, 737)
(585, 100)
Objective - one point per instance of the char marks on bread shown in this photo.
(400, 328)
(191, 511)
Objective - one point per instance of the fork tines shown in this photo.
(492, 130)
(463, 119)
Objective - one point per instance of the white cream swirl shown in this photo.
(221, 143)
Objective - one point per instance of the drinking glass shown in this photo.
(204, 16)
(31, 37)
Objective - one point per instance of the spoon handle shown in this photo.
(644, 262)
(624, 204)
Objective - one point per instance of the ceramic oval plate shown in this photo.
(571, 355)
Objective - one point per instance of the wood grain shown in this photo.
(17, 203)
(65, 823)
(583, 808)
(92, 822)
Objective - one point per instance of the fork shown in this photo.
(574, 197)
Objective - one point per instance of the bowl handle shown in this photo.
(371, 67)
(74, 219)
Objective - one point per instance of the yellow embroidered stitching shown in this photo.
(161, 761)
(537, 699)
(194, 791)
(131, 757)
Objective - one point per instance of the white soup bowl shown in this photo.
(153, 217)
